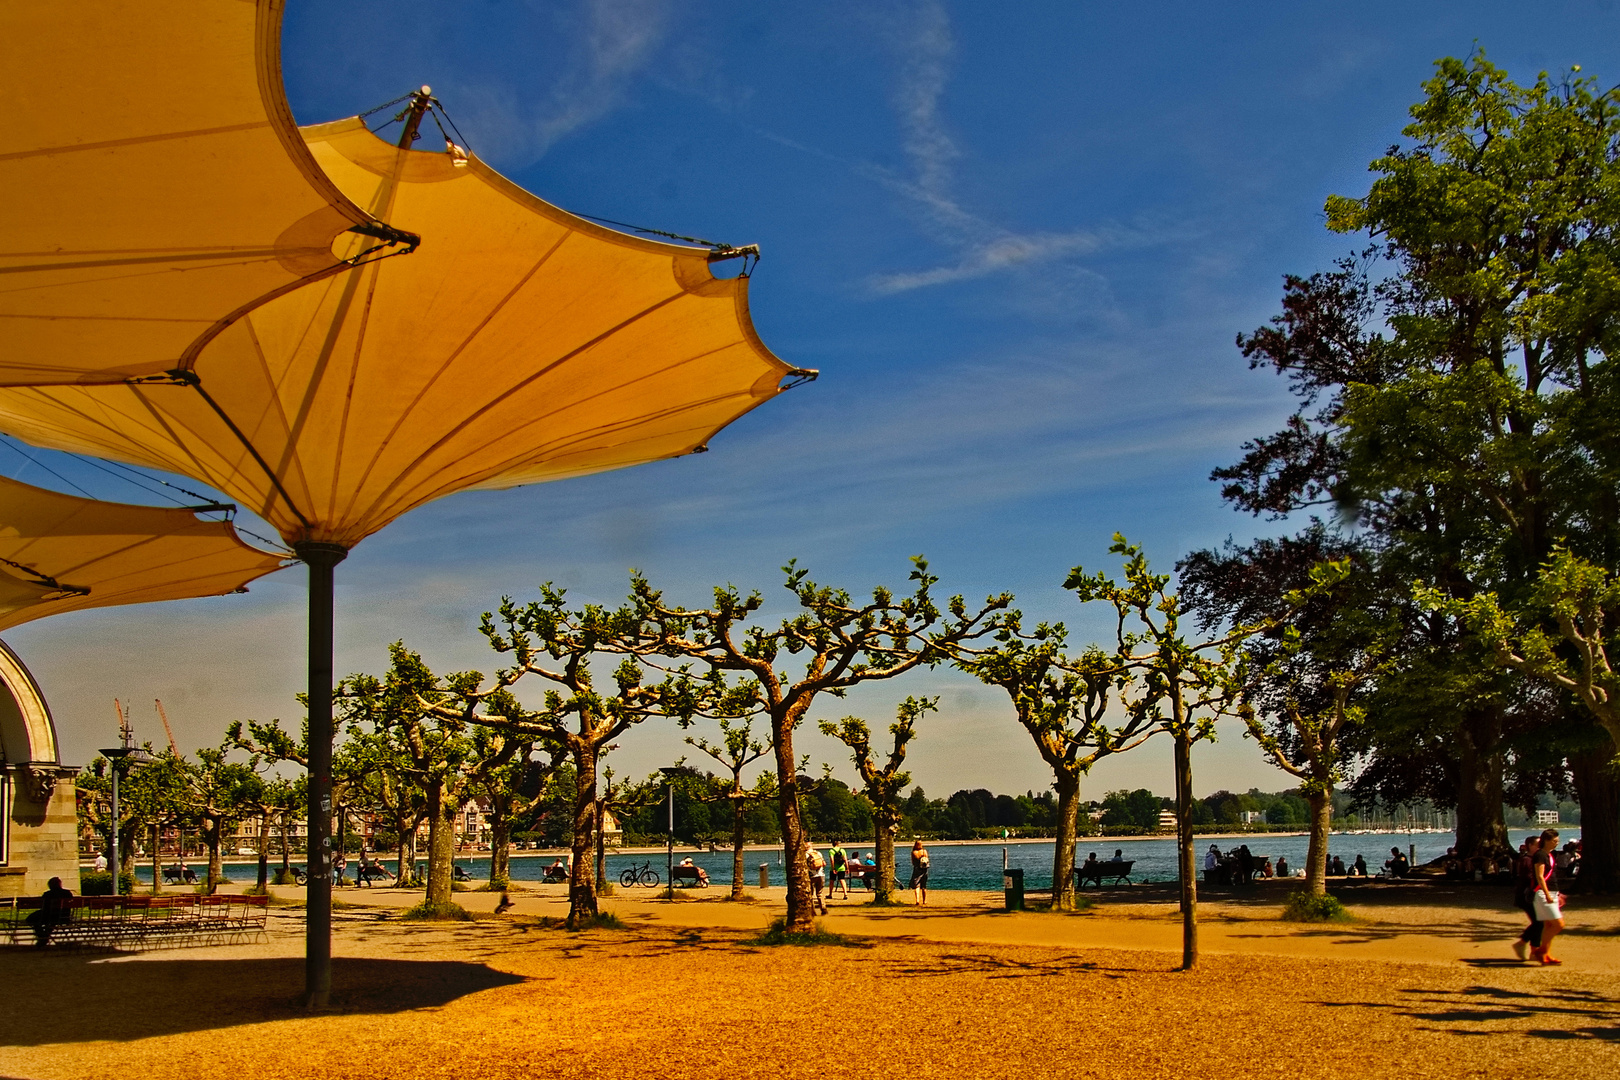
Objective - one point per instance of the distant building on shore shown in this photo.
(1546, 817)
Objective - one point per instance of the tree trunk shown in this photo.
(886, 818)
(213, 831)
(403, 853)
(286, 850)
(739, 812)
(1185, 854)
(157, 860)
(264, 854)
(500, 842)
(581, 875)
(1320, 796)
(1481, 829)
(1597, 786)
(1068, 813)
(601, 848)
(800, 914)
(441, 846)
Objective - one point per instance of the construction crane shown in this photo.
(125, 732)
(167, 730)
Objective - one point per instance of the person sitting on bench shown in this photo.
(702, 874)
(52, 911)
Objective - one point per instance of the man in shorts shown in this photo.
(840, 869)
(818, 879)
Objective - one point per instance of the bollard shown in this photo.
(764, 875)
(1012, 882)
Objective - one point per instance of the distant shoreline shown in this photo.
(552, 853)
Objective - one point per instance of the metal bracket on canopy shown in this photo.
(798, 377)
(388, 234)
(47, 581)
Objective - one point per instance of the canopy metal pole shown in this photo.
(322, 559)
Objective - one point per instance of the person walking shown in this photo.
(839, 859)
(919, 874)
(818, 879)
(1523, 881)
(1545, 898)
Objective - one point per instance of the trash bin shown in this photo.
(1012, 882)
(764, 875)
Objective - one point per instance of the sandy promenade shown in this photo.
(1421, 985)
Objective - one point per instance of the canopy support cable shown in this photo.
(190, 378)
(46, 579)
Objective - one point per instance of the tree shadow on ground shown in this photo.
(1364, 933)
(1555, 1013)
(67, 997)
(1002, 967)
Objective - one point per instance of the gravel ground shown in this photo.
(681, 993)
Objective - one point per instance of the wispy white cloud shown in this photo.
(614, 44)
(926, 46)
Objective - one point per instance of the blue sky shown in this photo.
(1016, 239)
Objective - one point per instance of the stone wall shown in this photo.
(43, 838)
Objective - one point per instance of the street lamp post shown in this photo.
(669, 788)
(117, 756)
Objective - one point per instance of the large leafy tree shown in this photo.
(1457, 400)
(1312, 681)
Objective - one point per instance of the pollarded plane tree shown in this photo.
(268, 743)
(882, 784)
(513, 790)
(1176, 685)
(833, 641)
(381, 782)
(430, 720)
(735, 750)
(1312, 680)
(220, 793)
(1062, 702)
(557, 645)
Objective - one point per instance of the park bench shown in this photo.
(179, 875)
(141, 922)
(688, 875)
(1114, 870)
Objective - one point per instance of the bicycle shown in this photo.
(640, 875)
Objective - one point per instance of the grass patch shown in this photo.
(446, 912)
(778, 934)
(602, 920)
(1305, 906)
(460, 886)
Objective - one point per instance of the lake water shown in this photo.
(977, 866)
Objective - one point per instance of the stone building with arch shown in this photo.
(38, 804)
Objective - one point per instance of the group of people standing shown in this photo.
(839, 864)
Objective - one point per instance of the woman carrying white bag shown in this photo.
(1544, 896)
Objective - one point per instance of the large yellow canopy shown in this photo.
(519, 344)
(62, 553)
(152, 183)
